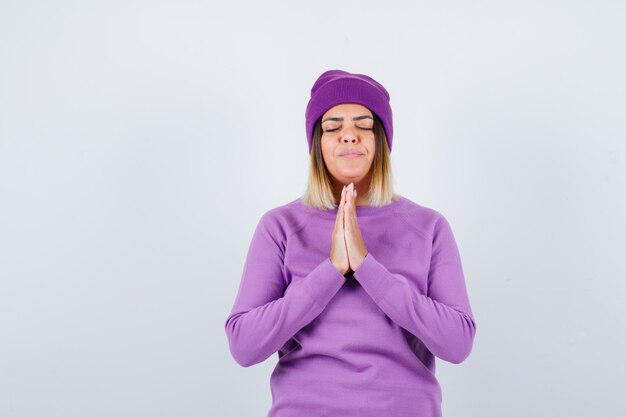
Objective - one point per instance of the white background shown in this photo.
(141, 141)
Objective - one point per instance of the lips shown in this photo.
(351, 155)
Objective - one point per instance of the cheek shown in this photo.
(327, 148)
(371, 146)
(327, 156)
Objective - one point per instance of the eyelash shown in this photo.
(362, 128)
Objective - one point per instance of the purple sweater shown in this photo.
(363, 344)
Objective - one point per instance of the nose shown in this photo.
(349, 135)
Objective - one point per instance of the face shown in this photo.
(348, 142)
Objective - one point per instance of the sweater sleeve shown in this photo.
(267, 313)
(443, 319)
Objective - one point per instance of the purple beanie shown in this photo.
(337, 87)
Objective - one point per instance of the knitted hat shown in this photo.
(337, 87)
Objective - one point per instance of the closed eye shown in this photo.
(362, 128)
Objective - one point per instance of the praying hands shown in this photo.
(347, 248)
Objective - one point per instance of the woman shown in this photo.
(357, 288)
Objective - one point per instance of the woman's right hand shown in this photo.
(338, 251)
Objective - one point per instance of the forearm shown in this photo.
(256, 333)
(446, 330)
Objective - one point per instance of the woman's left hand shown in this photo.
(354, 241)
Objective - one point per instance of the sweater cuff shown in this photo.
(323, 282)
(374, 277)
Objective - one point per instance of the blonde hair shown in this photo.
(319, 191)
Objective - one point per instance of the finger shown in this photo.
(350, 212)
(347, 212)
(344, 201)
(350, 191)
(340, 209)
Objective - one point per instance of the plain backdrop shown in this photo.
(141, 141)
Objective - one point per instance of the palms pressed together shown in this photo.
(348, 248)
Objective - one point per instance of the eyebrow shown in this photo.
(338, 119)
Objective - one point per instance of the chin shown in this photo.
(351, 176)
